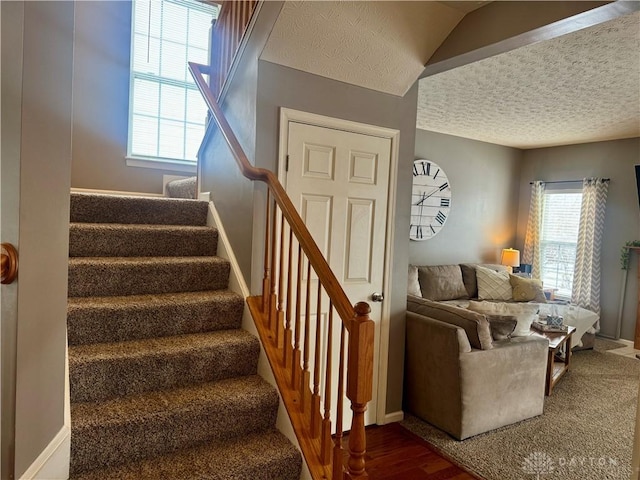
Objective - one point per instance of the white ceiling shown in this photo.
(381, 45)
(578, 88)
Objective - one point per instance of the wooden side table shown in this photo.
(556, 367)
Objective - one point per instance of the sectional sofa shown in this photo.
(471, 365)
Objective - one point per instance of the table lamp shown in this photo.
(510, 258)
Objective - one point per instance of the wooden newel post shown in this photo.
(359, 386)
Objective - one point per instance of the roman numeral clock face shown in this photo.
(430, 200)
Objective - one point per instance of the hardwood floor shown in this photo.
(394, 453)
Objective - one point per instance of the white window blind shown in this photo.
(560, 223)
(166, 112)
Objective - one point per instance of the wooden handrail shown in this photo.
(297, 369)
(320, 265)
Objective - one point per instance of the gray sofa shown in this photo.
(465, 374)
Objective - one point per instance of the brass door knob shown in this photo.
(9, 263)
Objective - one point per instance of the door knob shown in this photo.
(9, 263)
(377, 297)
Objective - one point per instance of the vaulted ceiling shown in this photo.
(579, 87)
(378, 45)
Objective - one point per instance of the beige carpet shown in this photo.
(585, 433)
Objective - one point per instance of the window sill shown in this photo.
(166, 164)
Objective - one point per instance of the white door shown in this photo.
(339, 182)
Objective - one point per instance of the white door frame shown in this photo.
(288, 115)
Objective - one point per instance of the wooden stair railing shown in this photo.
(226, 34)
(286, 318)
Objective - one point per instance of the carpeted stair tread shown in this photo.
(96, 208)
(134, 317)
(182, 188)
(107, 370)
(112, 276)
(262, 456)
(125, 240)
(132, 428)
(162, 378)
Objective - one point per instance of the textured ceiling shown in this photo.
(578, 88)
(381, 45)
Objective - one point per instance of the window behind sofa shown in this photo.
(560, 222)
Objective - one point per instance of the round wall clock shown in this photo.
(430, 200)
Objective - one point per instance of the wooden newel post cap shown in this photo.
(362, 309)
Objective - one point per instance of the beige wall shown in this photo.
(484, 181)
(101, 101)
(614, 159)
(42, 149)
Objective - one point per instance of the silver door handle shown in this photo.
(377, 297)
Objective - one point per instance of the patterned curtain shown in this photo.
(586, 277)
(531, 253)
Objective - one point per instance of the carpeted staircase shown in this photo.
(163, 379)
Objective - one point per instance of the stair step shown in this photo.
(182, 188)
(122, 240)
(135, 317)
(111, 276)
(95, 208)
(263, 456)
(107, 370)
(130, 429)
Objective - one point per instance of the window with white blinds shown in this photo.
(560, 223)
(166, 112)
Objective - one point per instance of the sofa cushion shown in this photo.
(502, 326)
(469, 276)
(413, 287)
(441, 282)
(493, 285)
(474, 324)
(525, 313)
(527, 289)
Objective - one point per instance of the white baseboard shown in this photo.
(394, 417)
(53, 462)
(626, 342)
(115, 192)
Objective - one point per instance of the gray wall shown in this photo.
(280, 86)
(484, 181)
(11, 124)
(615, 160)
(101, 101)
(232, 193)
(43, 156)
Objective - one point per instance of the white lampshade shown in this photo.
(510, 257)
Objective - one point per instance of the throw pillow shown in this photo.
(475, 325)
(469, 276)
(413, 286)
(493, 285)
(441, 282)
(502, 326)
(526, 289)
(525, 313)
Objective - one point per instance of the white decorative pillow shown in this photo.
(413, 287)
(525, 314)
(493, 285)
